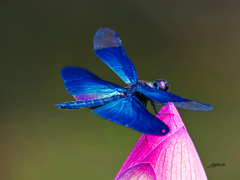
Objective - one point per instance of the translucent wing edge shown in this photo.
(108, 47)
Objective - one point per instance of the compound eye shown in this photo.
(155, 85)
(161, 84)
(166, 85)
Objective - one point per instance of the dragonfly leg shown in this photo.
(155, 109)
(144, 103)
(159, 104)
(146, 137)
(154, 105)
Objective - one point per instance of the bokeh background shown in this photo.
(193, 44)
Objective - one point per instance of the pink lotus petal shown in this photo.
(140, 171)
(172, 156)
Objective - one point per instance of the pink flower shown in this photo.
(169, 157)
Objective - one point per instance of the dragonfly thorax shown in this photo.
(132, 88)
(158, 84)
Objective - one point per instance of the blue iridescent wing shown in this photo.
(84, 85)
(108, 47)
(164, 97)
(130, 112)
(88, 103)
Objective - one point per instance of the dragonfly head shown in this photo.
(161, 84)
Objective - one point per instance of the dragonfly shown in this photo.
(122, 105)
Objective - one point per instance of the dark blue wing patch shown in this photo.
(108, 47)
(130, 112)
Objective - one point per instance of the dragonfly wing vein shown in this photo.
(130, 112)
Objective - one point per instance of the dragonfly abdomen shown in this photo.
(88, 103)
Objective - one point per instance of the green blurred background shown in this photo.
(193, 44)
